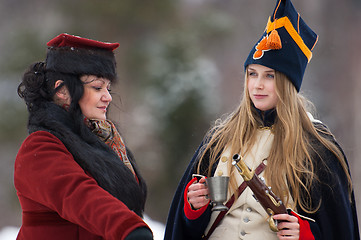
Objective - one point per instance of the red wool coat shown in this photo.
(60, 201)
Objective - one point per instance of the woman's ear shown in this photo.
(62, 96)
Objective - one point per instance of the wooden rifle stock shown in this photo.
(263, 194)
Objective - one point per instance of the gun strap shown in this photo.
(230, 202)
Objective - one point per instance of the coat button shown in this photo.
(243, 233)
(220, 173)
(224, 159)
(246, 220)
(249, 209)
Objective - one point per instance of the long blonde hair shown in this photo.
(291, 153)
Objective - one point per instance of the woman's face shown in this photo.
(96, 97)
(262, 87)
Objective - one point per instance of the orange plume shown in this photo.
(274, 40)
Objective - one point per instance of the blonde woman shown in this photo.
(300, 158)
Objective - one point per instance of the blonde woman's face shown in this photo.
(261, 86)
(96, 97)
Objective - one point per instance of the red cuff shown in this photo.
(305, 230)
(188, 211)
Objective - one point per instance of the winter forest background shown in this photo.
(180, 67)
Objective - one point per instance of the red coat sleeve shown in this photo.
(305, 230)
(190, 213)
(47, 173)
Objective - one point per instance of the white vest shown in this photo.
(246, 219)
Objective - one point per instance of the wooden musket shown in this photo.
(263, 194)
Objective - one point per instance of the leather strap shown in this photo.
(230, 202)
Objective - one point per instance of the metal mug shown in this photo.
(218, 188)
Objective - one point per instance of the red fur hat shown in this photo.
(67, 40)
(76, 55)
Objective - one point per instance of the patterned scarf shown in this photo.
(108, 133)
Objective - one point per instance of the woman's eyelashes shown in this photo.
(270, 75)
(253, 74)
(99, 88)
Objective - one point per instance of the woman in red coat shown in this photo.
(74, 177)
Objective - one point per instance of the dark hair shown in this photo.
(37, 89)
(37, 86)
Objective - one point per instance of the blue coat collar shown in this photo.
(267, 117)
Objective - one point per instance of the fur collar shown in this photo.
(93, 155)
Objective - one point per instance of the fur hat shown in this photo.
(286, 45)
(76, 55)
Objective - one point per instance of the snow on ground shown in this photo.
(157, 228)
(10, 233)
